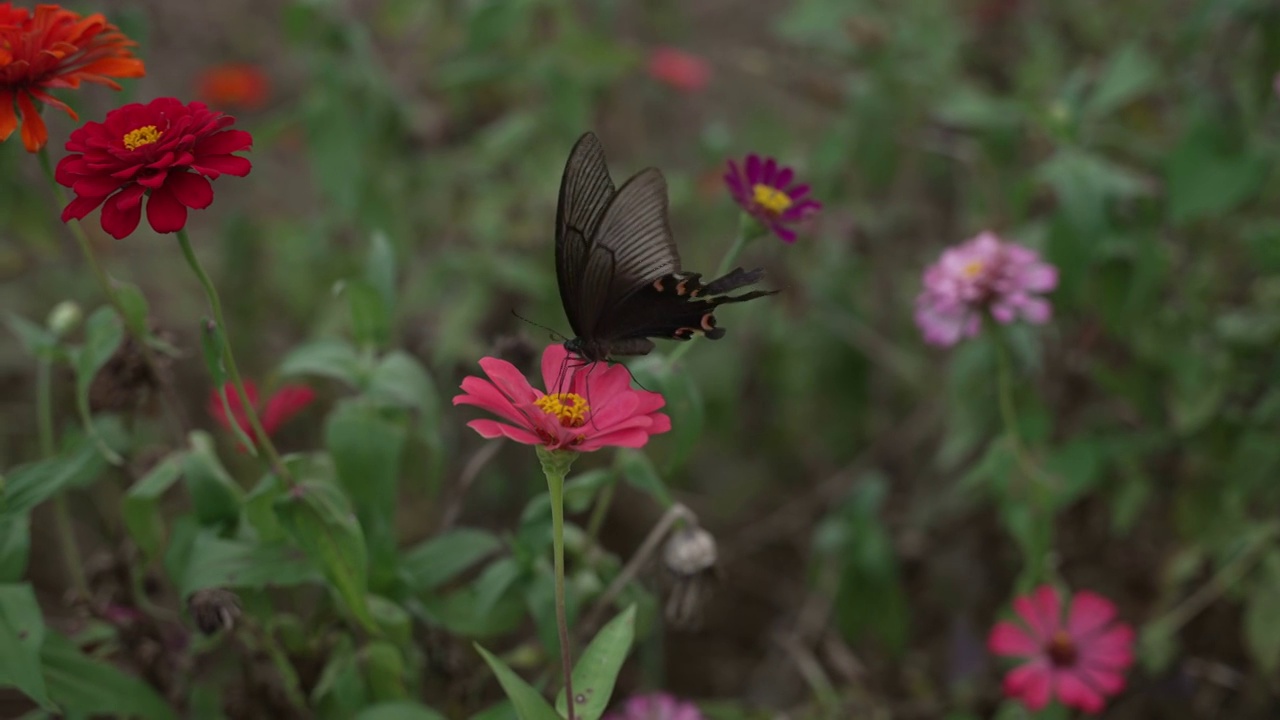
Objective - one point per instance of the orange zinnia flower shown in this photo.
(232, 86)
(54, 48)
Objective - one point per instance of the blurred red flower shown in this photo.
(164, 149)
(281, 407)
(1081, 659)
(679, 69)
(618, 416)
(234, 86)
(50, 49)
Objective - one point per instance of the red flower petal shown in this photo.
(217, 412)
(1041, 611)
(81, 206)
(34, 132)
(8, 118)
(1030, 683)
(224, 143)
(215, 165)
(1073, 692)
(122, 212)
(191, 189)
(287, 402)
(164, 212)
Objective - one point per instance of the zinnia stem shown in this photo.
(555, 465)
(172, 407)
(233, 372)
(1035, 485)
(62, 515)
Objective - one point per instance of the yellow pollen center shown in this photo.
(771, 199)
(972, 269)
(571, 408)
(144, 135)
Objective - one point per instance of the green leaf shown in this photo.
(1262, 614)
(103, 333)
(396, 624)
(402, 710)
(384, 670)
(528, 703)
(1210, 173)
(400, 380)
(1084, 182)
(15, 546)
(84, 687)
(370, 316)
(380, 269)
(27, 486)
(319, 518)
(134, 305)
(341, 690)
(215, 496)
(37, 341)
(460, 612)
(216, 562)
(334, 359)
(22, 634)
(366, 449)
(440, 559)
(1130, 74)
(140, 508)
(638, 470)
(597, 670)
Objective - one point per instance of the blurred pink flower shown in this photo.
(766, 189)
(281, 407)
(679, 69)
(1082, 660)
(984, 273)
(617, 416)
(656, 706)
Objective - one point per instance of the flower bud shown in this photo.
(64, 318)
(690, 558)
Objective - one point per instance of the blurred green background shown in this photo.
(853, 476)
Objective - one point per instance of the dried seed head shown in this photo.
(690, 559)
(214, 609)
(125, 382)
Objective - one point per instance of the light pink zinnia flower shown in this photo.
(1081, 660)
(984, 273)
(656, 706)
(616, 416)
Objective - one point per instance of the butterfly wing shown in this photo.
(586, 190)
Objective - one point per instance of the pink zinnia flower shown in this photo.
(766, 189)
(679, 69)
(983, 274)
(616, 416)
(656, 706)
(281, 407)
(1081, 660)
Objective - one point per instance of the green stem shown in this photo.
(61, 514)
(171, 405)
(600, 511)
(748, 230)
(555, 465)
(229, 360)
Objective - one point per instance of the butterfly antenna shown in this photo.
(635, 379)
(554, 335)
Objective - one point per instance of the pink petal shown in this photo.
(557, 368)
(660, 423)
(1037, 311)
(1029, 683)
(1041, 610)
(1113, 649)
(1088, 613)
(626, 438)
(1108, 683)
(493, 429)
(615, 410)
(484, 395)
(508, 379)
(1073, 692)
(1009, 639)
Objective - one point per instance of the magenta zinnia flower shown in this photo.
(593, 406)
(656, 706)
(983, 274)
(767, 191)
(1081, 660)
(164, 151)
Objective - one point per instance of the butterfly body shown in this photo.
(618, 268)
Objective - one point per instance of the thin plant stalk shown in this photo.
(61, 513)
(171, 405)
(229, 360)
(748, 230)
(555, 465)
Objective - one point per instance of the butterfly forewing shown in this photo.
(632, 246)
(585, 192)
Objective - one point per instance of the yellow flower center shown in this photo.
(571, 408)
(771, 199)
(144, 135)
(972, 269)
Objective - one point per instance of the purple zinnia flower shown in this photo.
(656, 706)
(981, 274)
(765, 190)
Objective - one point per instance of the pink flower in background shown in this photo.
(1081, 660)
(679, 69)
(982, 274)
(281, 407)
(656, 706)
(594, 405)
(767, 191)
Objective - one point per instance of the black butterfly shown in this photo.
(618, 267)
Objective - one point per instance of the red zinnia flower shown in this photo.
(54, 48)
(163, 149)
(768, 191)
(283, 404)
(679, 69)
(234, 86)
(617, 415)
(1081, 660)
